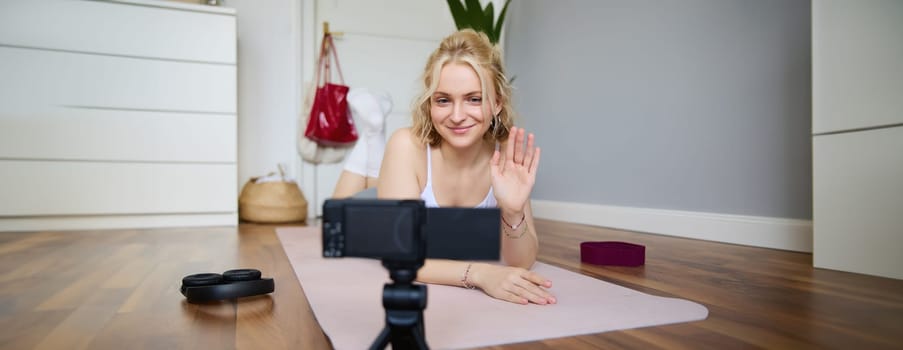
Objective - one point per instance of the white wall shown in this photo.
(269, 72)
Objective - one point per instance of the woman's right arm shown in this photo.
(397, 174)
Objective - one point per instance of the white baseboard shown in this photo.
(100, 222)
(768, 232)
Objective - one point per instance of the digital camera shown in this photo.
(407, 231)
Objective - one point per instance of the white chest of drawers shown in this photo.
(116, 114)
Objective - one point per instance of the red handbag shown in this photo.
(330, 122)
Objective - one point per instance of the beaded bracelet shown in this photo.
(509, 235)
(464, 278)
(523, 221)
(514, 227)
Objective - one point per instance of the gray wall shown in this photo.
(696, 105)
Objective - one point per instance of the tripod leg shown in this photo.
(382, 340)
(420, 337)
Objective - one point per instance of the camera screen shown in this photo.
(382, 231)
(463, 233)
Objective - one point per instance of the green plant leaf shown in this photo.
(470, 14)
(498, 25)
(475, 14)
(488, 14)
(459, 13)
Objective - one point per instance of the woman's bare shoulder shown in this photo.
(403, 140)
(403, 167)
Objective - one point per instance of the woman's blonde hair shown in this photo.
(474, 49)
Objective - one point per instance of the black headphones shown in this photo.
(205, 287)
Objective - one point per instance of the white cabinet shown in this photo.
(857, 125)
(116, 114)
(858, 201)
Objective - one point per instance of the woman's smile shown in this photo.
(460, 130)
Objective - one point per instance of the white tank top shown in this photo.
(430, 199)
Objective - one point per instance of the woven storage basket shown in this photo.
(272, 202)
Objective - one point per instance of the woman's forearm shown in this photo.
(447, 272)
(520, 244)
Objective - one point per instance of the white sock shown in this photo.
(370, 111)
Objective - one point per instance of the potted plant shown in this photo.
(470, 14)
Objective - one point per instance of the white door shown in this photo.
(383, 47)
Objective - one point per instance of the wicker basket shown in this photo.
(272, 202)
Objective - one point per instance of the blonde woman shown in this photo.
(462, 150)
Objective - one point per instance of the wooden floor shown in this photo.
(119, 289)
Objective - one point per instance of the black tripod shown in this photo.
(404, 303)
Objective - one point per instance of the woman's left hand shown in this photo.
(514, 172)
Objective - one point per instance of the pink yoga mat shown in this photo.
(346, 298)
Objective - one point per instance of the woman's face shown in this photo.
(456, 108)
